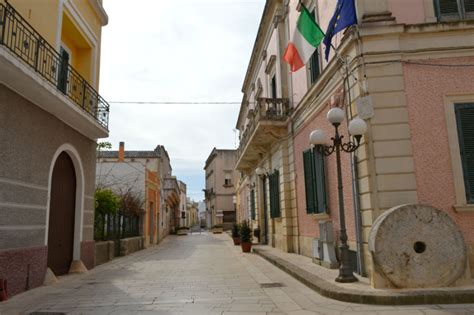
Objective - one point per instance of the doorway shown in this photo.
(62, 215)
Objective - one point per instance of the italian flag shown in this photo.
(306, 38)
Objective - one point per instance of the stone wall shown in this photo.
(131, 245)
(104, 252)
(29, 140)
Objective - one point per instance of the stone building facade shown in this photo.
(412, 65)
(142, 173)
(220, 196)
(51, 116)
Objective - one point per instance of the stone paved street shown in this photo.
(194, 274)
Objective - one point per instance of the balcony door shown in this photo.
(64, 56)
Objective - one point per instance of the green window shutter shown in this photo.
(465, 124)
(314, 68)
(272, 195)
(277, 193)
(274, 180)
(252, 204)
(468, 6)
(309, 181)
(448, 7)
(319, 174)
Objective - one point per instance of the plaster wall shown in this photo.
(121, 176)
(408, 11)
(35, 11)
(427, 91)
(29, 139)
(308, 223)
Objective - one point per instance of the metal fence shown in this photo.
(26, 43)
(113, 227)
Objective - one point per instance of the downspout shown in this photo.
(354, 173)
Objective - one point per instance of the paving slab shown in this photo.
(194, 274)
(322, 281)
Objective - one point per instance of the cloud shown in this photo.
(189, 50)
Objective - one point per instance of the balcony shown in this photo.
(267, 124)
(34, 69)
(171, 191)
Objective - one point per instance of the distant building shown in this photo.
(51, 116)
(192, 213)
(181, 214)
(142, 173)
(220, 187)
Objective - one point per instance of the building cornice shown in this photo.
(99, 10)
(399, 36)
(267, 23)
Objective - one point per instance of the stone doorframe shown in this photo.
(79, 208)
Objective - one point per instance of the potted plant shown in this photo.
(245, 237)
(236, 233)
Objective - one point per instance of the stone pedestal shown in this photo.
(49, 277)
(77, 266)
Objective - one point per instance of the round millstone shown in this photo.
(417, 246)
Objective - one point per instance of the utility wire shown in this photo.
(174, 103)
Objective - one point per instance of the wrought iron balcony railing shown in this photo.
(26, 43)
(267, 109)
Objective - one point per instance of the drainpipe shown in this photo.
(355, 186)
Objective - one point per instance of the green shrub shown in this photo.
(245, 232)
(106, 203)
(236, 230)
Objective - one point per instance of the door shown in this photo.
(152, 223)
(61, 215)
(63, 70)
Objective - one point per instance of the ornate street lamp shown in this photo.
(357, 127)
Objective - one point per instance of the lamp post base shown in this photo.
(346, 278)
(345, 271)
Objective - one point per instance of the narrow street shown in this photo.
(194, 274)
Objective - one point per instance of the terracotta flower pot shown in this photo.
(236, 240)
(246, 247)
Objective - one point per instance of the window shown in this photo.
(465, 125)
(314, 179)
(63, 69)
(274, 181)
(228, 179)
(252, 204)
(274, 87)
(454, 9)
(314, 68)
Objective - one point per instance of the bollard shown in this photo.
(3, 290)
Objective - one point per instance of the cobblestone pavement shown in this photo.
(194, 274)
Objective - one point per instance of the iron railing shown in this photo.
(26, 43)
(267, 109)
(116, 226)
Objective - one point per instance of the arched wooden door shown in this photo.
(61, 215)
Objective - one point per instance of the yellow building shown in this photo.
(51, 116)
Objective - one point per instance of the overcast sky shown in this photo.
(187, 50)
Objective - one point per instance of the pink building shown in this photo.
(413, 62)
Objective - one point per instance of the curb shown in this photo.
(330, 290)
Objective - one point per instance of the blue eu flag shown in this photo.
(344, 16)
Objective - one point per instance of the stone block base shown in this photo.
(23, 268)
